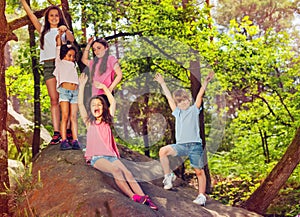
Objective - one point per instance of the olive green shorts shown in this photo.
(49, 67)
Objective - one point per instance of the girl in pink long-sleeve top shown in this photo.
(101, 148)
(104, 68)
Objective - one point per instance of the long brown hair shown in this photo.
(46, 27)
(103, 64)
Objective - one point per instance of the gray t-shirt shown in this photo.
(187, 125)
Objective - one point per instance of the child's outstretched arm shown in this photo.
(31, 16)
(200, 94)
(111, 99)
(85, 55)
(82, 81)
(159, 78)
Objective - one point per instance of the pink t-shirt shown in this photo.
(107, 77)
(100, 141)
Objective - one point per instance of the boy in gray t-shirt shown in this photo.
(187, 134)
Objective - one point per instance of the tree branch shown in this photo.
(23, 21)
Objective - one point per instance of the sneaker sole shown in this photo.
(54, 143)
(66, 148)
(168, 188)
(199, 204)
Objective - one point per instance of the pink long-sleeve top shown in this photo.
(107, 77)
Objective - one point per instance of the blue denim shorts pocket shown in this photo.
(65, 95)
(109, 158)
(192, 150)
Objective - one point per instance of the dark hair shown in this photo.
(103, 65)
(46, 26)
(65, 48)
(106, 116)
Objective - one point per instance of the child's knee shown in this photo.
(163, 152)
(199, 172)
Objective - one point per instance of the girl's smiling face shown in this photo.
(96, 108)
(53, 18)
(70, 56)
(99, 49)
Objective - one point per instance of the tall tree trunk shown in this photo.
(5, 36)
(195, 78)
(268, 190)
(37, 105)
(4, 181)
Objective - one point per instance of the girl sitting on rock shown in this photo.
(101, 148)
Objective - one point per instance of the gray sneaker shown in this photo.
(169, 178)
(200, 200)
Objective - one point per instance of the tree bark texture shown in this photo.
(5, 36)
(37, 91)
(195, 78)
(268, 190)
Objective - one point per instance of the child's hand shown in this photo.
(159, 78)
(90, 40)
(210, 76)
(62, 29)
(83, 79)
(99, 85)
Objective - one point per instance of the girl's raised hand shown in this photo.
(99, 85)
(83, 79)
(62, 28)
(90, 40)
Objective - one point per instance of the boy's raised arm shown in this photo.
(200, 94)
(158, 77)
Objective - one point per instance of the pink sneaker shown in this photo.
(150, 203)
(139, 199)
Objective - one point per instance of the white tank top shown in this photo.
(49, 51)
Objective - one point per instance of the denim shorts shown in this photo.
(48, 69)
(66, 95)
(109, 158)
(193, 150)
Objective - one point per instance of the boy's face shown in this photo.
(183, 104)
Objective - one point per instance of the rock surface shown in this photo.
(72, 188)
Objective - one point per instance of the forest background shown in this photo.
(251, 108)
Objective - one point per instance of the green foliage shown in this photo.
(234, 190)
(258, 72)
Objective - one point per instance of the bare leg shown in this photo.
(136, 188)
(74, 122)
(53, 94)
(201, 180)
(64, 119)
(106, 166)
(164, 152)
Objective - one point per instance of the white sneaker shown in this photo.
(200, 200)
(169, 178)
